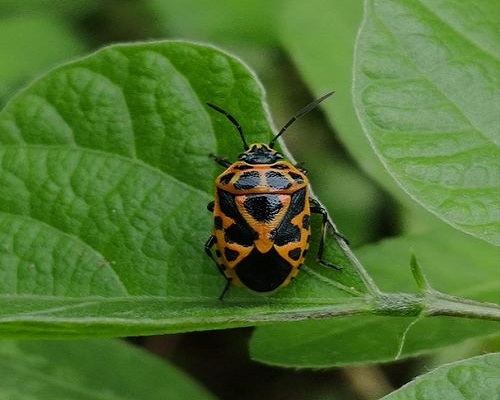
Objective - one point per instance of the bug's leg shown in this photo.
(210, 206)
(318, 209)
(226, 288)
(222, 161)
(208, 250)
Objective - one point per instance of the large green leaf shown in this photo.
(427, 92)
(471, 379)
(105, 178)
(454, 262)
(85, 370)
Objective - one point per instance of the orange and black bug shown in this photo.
(262, 212)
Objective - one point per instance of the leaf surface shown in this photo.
(427, 93)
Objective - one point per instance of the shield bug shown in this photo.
(262, 212)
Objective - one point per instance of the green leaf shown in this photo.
(471, 379)
(105, 178)
(453, 263)
(427, 94)
(106, 369)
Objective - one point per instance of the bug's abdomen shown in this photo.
(263, 272)
(261, 239)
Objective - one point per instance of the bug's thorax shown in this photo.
(261, 169)
(280, 177)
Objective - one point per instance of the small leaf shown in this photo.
(472, 379)
(427, 94)
(89, 370)
(418, 274)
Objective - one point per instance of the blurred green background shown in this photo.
(38, 35)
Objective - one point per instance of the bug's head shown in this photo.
(260, 153)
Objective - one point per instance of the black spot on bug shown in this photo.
(308, 239)
(294, 254)
(287, 232)
(280, 166)
(296, 177)
(297, 203)
(230, 254)
(276, 180)
(247, 180)
(227, 204)
(306, 223)
(240, 234)
(225, 179)
(263, 272)
(217, 253)
(243, 167)
(218, 223)
(263, 208)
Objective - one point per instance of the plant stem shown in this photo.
(388, 304)
(433, 303)
(442, 304)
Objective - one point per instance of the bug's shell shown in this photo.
(261, 218)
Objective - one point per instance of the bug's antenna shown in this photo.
(233, 121)
(301, 113)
